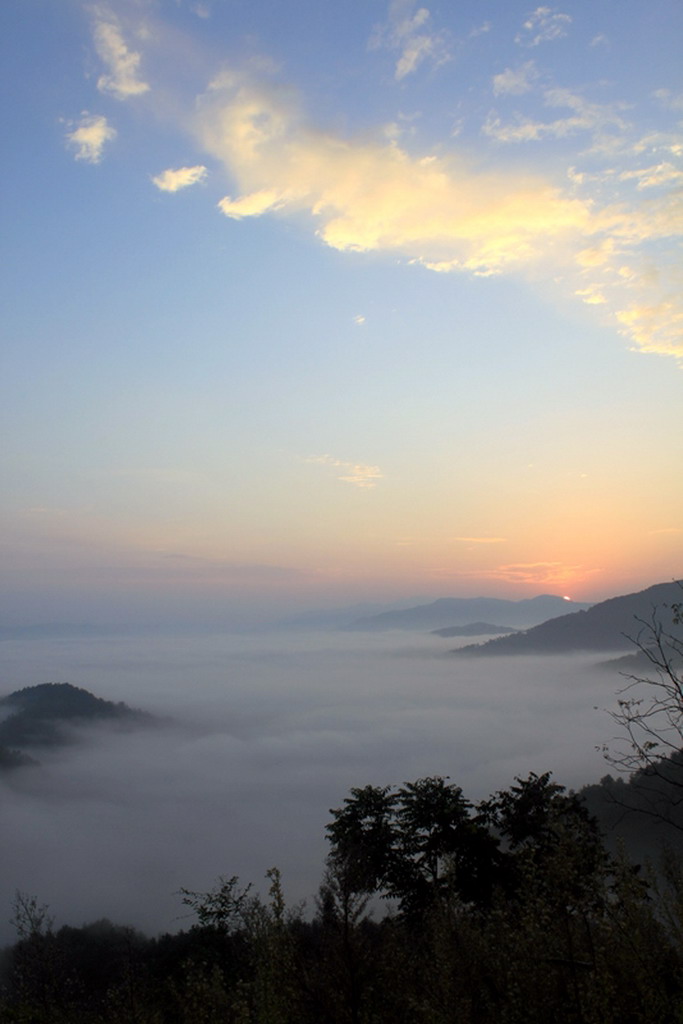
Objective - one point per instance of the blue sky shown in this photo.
(305, 303)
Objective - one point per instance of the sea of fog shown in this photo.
(263, 734)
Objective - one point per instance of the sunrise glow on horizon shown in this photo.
(308, 304)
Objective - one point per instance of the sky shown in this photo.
(309, 303)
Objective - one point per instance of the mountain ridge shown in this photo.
(461, 611)
(474, 629)
(611, 625)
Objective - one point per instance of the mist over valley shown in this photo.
(260, 735)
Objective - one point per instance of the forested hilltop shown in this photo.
(48, 714)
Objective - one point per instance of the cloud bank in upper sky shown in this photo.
(448, 214)
(438, 211)
(608, 232)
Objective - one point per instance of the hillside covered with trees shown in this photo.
(48, 714)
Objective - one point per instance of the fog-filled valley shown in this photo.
(258, 736)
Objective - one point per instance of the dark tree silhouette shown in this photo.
(421, 845)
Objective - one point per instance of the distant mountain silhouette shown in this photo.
(459, 611)
(39, 716)
(340, 617)
(474, 629)
(604, 627)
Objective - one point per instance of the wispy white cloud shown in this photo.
(598, 119)
(408, 31)
(182, 177)
(671, 100)
(591, 295)
(633, 269)
(515, 81)
(654, 176)
(480, 30)
(89, 137)
(265, 200)
(658, 143)
(543, 25)
(123, 79)
(655, 326)
(356, 473)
